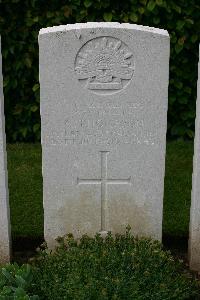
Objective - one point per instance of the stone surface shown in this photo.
(194, 240)
(4, 204)
(104, 90)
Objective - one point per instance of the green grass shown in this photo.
(25, 186)
(178, 184)
(25, 189)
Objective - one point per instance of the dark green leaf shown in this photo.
(178, 48)
(107, 17)
(133, 17)
(151, 5)
(35, 87)
(87, 3)
(180, 24)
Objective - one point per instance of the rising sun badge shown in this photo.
(104, 63)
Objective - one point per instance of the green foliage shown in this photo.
(20, 22)
(120, 267)
(15, 282)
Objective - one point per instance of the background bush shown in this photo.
(20, 22)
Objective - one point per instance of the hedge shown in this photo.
(20, 22)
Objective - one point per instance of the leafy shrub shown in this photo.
(20, 22)
(120, 267)
(15, 282)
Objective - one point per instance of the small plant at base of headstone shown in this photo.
(114, 267)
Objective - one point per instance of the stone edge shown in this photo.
(194, 262)
(5, 257)
(91, 25)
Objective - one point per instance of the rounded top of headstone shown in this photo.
(88, 25)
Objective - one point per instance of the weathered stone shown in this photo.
(104, 90)
(4, 204)
(194, 240)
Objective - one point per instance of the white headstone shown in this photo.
(4, 204)
(104, 90)
(194, 240)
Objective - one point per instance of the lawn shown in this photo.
(25, 189)
(25, 186)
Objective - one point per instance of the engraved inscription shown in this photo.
(107, 125)
(104, 64)
(104, 181)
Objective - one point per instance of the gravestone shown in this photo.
(194, 240)
(104, 90)
(4, 204)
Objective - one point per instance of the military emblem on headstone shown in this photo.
(104, 63)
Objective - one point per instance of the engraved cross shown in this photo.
(104, 181)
